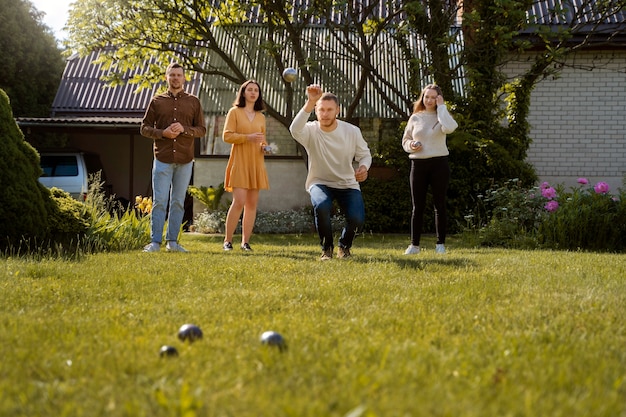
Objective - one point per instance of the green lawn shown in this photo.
(475, 332)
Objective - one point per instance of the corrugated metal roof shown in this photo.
(82, 92)
(565, 12)
(105, 122)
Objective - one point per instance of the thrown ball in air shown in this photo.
(290, 74)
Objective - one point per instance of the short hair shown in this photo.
(174, 65)
(240, 101)
(419, 106)
(329, 96)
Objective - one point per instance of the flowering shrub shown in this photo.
(584, 217)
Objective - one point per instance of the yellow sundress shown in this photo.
(246, 164)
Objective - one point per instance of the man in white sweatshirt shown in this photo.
(332, 145)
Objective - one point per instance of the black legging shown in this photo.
(436, 173)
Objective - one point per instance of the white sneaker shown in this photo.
(174, 247)
(152, 247)
(412, 250)
(440, 248)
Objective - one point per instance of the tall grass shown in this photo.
(476, 332)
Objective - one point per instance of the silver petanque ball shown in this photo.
(290, 74)
(189, 333)
(271, 338)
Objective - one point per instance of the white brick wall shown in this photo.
(578, 120)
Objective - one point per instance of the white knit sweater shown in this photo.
(331, 153)
(430, 128)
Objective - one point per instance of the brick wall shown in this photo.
(578, 119)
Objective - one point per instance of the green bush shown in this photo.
(24, 202)
(387, 204)
(68, 220)
(209, 196)
(267, 222)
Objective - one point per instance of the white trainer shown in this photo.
(440, 248)
(412, 250)
(152, 247)
(174, 247)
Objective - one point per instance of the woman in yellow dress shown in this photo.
(244, 129)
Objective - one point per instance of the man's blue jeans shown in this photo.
(169, 185)
(351, 204)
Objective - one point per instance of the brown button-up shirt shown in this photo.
(165, 109)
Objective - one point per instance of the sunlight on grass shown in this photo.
(476, 332)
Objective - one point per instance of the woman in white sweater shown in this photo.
(424, 140)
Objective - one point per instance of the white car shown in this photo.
(67, 171)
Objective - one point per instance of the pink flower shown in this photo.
(544, 185)
(601, 188)
(548, 193)
(551, 206)
(583, 181)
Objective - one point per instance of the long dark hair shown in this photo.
(240, 101)
(419, 104)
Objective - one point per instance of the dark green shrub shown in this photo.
(387, 205)
(23, 200)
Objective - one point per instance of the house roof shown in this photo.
(68, 121)
(588, 23)
(83, 93)
(573, 11)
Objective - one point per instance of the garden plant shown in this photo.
(584, 217)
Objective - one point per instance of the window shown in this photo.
(59, 166)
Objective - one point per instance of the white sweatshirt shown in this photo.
(430, 128)
(331, 153)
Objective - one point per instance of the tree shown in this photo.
(217, 38)
(33, 63)
(24, 202)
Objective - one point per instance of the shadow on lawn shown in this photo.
(416, 262)
(422, 263)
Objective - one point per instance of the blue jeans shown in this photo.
(169, 185)
(351, 204)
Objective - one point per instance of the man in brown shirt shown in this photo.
(173, 120)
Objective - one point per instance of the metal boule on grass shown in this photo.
(290, 74)
(271, 338)
(168, 351)
(189, 333)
